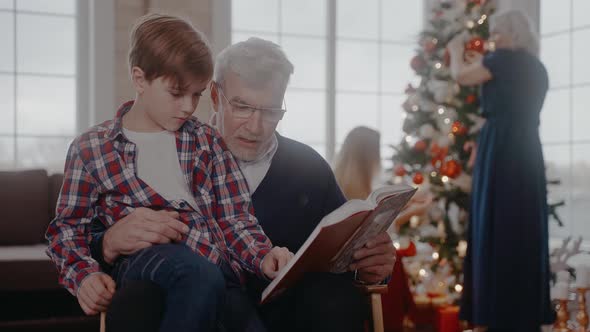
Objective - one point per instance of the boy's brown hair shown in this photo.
(170, 47)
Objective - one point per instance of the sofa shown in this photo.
(31, 296)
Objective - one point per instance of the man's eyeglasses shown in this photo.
(245, 111)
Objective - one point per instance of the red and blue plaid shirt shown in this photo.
(100, 181)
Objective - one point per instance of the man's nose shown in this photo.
(254, 124)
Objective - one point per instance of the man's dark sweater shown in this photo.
(296, 193)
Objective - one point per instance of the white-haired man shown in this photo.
(292, 189)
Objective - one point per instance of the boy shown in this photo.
(158, 170)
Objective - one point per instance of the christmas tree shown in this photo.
(441, 125)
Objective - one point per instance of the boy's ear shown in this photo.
(138, 79)
(214, 95)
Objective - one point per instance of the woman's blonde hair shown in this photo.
(357, 162)
(517, 25)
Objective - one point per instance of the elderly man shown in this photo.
(292, 189)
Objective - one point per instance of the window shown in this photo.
(351, 63)
(565, 31)
(38, 70)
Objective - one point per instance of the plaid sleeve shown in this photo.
(69, 233)
(233, 211)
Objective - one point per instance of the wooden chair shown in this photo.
(373, 291)
(103, 318)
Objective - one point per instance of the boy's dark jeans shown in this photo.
(198, 294)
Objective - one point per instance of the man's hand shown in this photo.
(141, 229)
(375, 260)
(456, 45)
(274, 261)
(95, 293)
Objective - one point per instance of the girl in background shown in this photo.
(358, 164)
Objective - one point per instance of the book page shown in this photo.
(378, 221)
(379, 194)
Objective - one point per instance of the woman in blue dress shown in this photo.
(506, 270)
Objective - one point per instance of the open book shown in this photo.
(330, 246)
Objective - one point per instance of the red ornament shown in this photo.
(476, 2)
(399, 170)
(437, 161)
(438, 155)
(410, 251)
(476, 44)
(418, 178)
(420, 146)
(459, 129)
(417, 63)
(470, 99)
(451, 168)
(437, 151)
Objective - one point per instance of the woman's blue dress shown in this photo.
(506, 270)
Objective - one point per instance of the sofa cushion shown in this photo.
(24, 206)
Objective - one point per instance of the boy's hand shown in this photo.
(95, 293)
(274, 261)
(375, 260)
(141, 229)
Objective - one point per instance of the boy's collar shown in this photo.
(115, 129)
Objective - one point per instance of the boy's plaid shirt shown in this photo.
(100, 181)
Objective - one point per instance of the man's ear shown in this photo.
(138, 79)
(214, 95)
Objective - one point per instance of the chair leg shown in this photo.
(377, 312)
(103, 318)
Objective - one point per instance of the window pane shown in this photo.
(557, 162)
(46, 106)
(255, 15)
(392, 118)
(7, 41)
(356, 66)
(581, 54)
(6, 152)
(53, 6)
(555, 117)
(396, 72)
(308, 55)
(6, 4)
(401, 23)
(7, 104)
(357, 19)
(555, 56)
(238, 37)
(555, 15)
(581, 113)
(580, 11)
(48, 153)
(304, 17)
(305, 119)
(354, 110)
(52, 37)
(580, 192)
